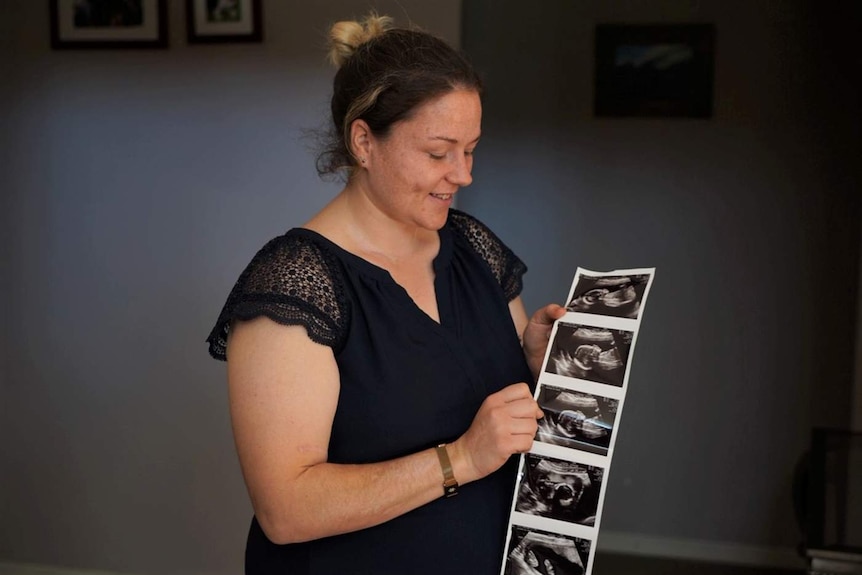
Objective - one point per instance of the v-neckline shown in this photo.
(438, 265)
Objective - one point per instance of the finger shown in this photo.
(523, 427)
(515, 392)
(556, 311)
(521, 444)
(530, 418)
(549, 314)
(523, 408)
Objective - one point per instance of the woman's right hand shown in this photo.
(504, 425)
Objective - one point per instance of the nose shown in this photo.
(461, 172)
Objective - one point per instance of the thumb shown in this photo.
(549, 314)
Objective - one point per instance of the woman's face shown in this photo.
(414, 172)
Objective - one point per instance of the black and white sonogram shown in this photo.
(575, 419)
(617, 296)
(559, 489)
(533, 552)
(591, 353)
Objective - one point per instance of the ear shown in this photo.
(360, 141)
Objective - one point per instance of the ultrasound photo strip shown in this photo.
(559, 495)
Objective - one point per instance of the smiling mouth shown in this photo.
(443, 196)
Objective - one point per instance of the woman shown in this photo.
(374, 360)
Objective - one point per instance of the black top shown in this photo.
(407, 383)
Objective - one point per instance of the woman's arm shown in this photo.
(535, 332)
(283, 394)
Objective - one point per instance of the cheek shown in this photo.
(390, 177)
(423, 181)
(403, 173)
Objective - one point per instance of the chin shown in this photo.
(434, 221)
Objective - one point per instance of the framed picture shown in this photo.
(654, 70)
(108, 24)
(210, 21)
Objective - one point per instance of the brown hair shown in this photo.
(384, 74)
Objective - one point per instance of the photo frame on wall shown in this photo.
(654, 70)
(218, 21)
(107, 24)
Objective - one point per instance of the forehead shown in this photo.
(456, 115)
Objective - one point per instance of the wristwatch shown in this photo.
(450, 484)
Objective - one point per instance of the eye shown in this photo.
(436, 156)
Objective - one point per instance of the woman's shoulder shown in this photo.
(294, 279)
(277, 265)
(463, 221)
(477, 234)
(507, 267)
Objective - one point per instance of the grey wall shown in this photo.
(135, 185)
(752, 219)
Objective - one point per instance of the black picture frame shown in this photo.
(100, 24)
(237, 21)
(654, 70)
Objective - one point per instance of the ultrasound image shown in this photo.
(533, 552)
(559, 489)
(591, 353)
(575, 419)
(616, 296)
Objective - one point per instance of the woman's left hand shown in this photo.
(536, 332)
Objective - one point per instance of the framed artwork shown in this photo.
(212, 21)
(654, 70)
(108, 24)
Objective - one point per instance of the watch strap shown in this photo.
(450, 484)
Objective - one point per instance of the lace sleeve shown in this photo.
(505, 265)
(294, 281)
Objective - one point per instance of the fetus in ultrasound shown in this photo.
(554, 488)
(618, 296)
(575, 419)
(538, 553)
(589, 353)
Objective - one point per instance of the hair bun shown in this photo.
(346, 36)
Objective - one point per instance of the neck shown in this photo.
(360, 226)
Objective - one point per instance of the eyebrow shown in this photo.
(453, 140)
